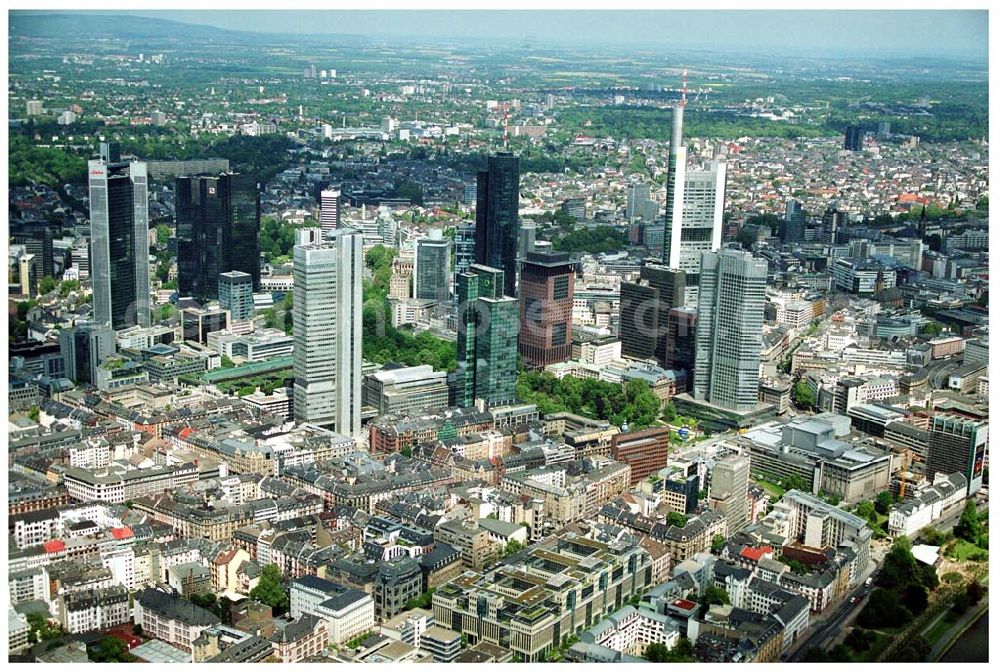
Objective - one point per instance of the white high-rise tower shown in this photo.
(329, 213)
(326, 325)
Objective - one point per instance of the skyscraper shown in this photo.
(326, 325)
(546, 304)
(431, 267)
(83, 348)
(119, 243)
(957, 444)
(795, 223)
(329, 214)
(465, 247)
(729, 331)
(834, 228)
(36, 236)
(676, 167)
(644, 308)
(701, 223)
(853, 139)
(487, 338)
(728, 494)
(236, 294)
(218, 230)
(497, 221)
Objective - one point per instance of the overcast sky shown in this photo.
(902, 32)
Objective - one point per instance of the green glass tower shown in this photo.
(487, 337)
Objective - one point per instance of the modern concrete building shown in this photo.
(729, 332)
(83, 348)
(405, 390)
(329, 212)
(728, 493)
(326, 319)
(957, 445)
(119, 244)
(236, 294)
(644, 311)
(546, 308)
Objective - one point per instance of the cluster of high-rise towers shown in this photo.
(700, 310)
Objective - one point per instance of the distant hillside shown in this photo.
(120, 26)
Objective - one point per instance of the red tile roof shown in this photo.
(54, 546)
(755, 554)
(122, 533)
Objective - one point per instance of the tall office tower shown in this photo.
(326, 325)
(701, 223)
(795, 223)
(834, 224)
(83, 348)
(853, 139)
(497, 222)
(729, 332)
(635, 195)
(728, 494)
(431, 263)
(119, 242)
(526, 240)
(957, 444)
(644, 307)
(884, 130)
(329, 212)
(546, 300)
(218, 230)
(487, 338)
(676, 168)
(465, 247)
(36, 236)
(681, 329)
(236, 294)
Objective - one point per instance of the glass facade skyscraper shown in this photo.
(119, 243)
(497, 221)
(236, 294)
(729, 331)
(218, 230)
(431, 263)
(487, 338)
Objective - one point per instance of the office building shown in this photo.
(729, 331)
(676, 168)
(834, 225)
(795, 223)
(34, 108)
(329, 209)
(198, 323)
(575, 208)
(497, 220)
(465, 247)
(639, 206)
(854, 139)
(957, 445)
(728, 494)
(326, 325)
(218, 230)
(83, 348)
(431, 267)
(546, 305)
(700, 220)
(405, 390)
(119, 244)
(36, 237)
(644, 310)
(681, 323)
(487, 338)
(644, 451)
(236, 294)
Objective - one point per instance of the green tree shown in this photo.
(803, 395)
(34, 413)
(676, 519)
(883, 607)
(110, 650)
(975, 592)
(68, 286)
(969, 527)
(714, 595)
(162, 235)
(227, 363)
(867, 511)
(46, 284)
(795, 482)
(718, 543)
(884, 502)
(915, 599)
(270, 590)
(932, 329)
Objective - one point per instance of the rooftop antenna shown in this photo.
(684, 89)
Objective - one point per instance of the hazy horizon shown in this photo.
(956, 33)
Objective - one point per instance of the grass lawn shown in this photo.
(772, 489)
(941, 627)
(962, 549)
(881, 641)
